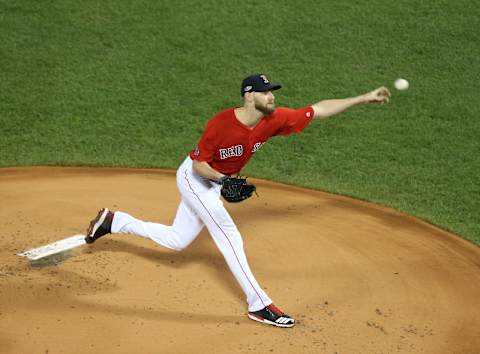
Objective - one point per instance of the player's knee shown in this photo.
(180, 247)
(179, 243)
(177, 248)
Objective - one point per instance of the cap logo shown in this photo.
(247, 88)
(265, 80)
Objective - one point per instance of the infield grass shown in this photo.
(122, 83)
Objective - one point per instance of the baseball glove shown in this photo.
(236, 189)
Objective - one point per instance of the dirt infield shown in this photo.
(358, 278)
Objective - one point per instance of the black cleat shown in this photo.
(100, 226)
(273, 316)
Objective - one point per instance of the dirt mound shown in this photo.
(358, 278)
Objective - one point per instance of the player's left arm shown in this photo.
(328, 108)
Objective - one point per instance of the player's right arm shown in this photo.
(328, 108)
(202, 168)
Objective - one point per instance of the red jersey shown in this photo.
(227, 144)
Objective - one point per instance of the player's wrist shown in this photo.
(362, 99)
(219, 179)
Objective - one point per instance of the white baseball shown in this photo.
(401, 84)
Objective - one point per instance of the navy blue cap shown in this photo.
(258, 83)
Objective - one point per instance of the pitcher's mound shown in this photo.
(357, 277)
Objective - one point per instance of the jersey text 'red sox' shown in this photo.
(227, 144)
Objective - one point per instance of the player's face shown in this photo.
(264, 101)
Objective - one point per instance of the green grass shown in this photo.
(133, 83)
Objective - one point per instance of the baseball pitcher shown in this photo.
(211, 171)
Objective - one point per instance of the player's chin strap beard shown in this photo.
(264, 109)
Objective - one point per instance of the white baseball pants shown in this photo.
(200, 206)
